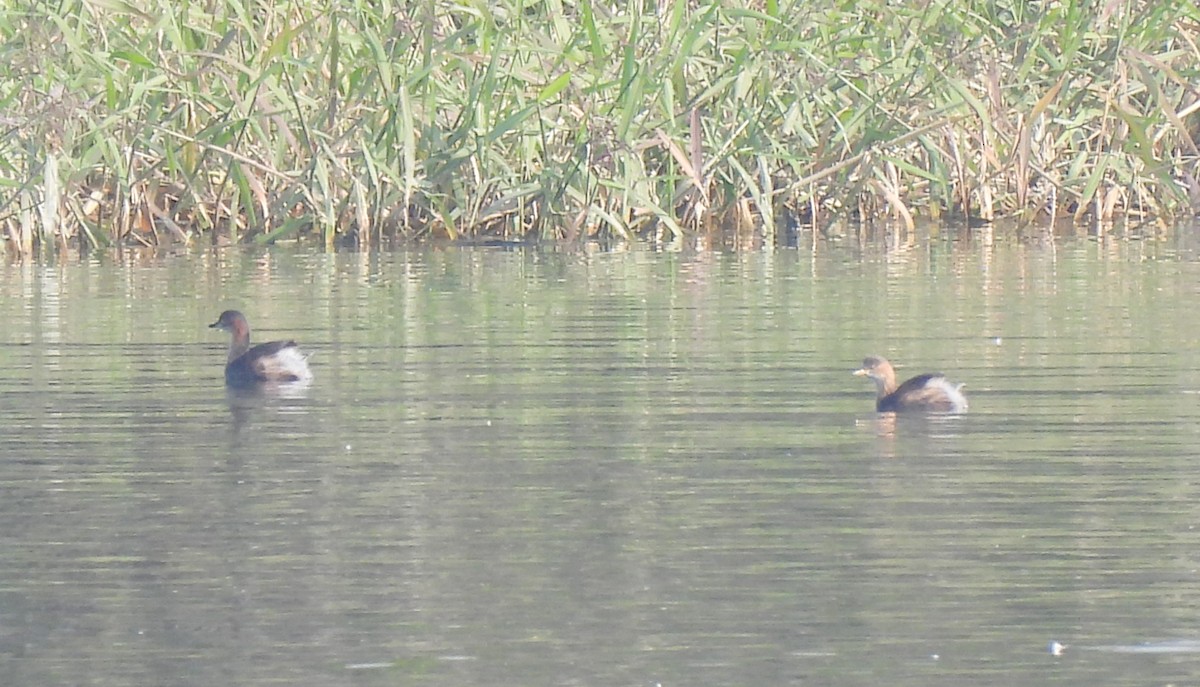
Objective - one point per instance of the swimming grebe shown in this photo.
(277, 361)
(928, 392)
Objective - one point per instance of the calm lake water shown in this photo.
(606, 468)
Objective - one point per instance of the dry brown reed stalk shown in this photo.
(266, 122)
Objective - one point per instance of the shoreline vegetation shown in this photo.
(165, 122)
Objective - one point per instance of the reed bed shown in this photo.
(543, 119)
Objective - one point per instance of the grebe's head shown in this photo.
(876, 368)
(230, 321)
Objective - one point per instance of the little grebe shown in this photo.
(277, 361)
(928, 392)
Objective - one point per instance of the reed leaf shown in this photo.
(512, 119)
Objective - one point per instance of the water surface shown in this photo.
(604, 468)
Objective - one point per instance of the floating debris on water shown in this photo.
(369, 666)
(1172, 646)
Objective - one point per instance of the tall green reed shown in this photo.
(355, 122)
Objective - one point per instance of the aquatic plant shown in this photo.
(259, 121)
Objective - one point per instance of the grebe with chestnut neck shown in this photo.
(267, 363)
(930, 393)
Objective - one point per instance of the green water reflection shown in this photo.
(535, 467)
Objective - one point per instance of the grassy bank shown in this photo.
(351, 122)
